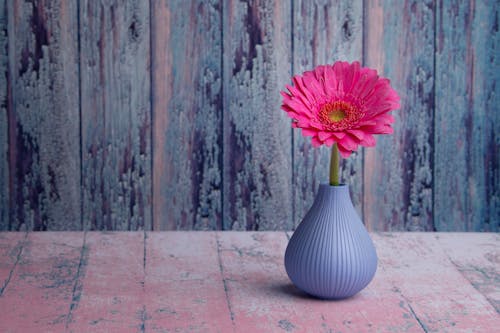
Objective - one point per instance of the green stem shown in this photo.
(334, 166)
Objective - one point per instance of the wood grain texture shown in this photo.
(165, 114)
(11, 249)
(236, 282)
(45, 277)
(324, 32)
(257, 173)
(485, 169)
(111, 286)
(187, 114)
(442, 298)
(467, 171)
(4, 119)
(482, 272)
(173, 269)
(44, 142)
(263, 299)
(115, 107)
(398, 172)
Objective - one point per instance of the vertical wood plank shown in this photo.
(467, 153)
(399, 43)
(44, 142)
(116, 122)
(257, 136)
(4, 128)
(484, 183)
(324, 32)
(187, 107)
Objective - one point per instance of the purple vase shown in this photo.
(331, 255)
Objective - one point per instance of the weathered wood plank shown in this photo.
(187, 113)
(262, 297)
(112, 289)
(4, 119)
(11, 247)
(230, 281)
(324, 32)
(477, 257)
(40, 177)
(467, 150)
(398, 172)
(486, 117)
(116, 122)
(44, 142)
(184, 287)
(438, 295)
(43, 282)
(257, 136)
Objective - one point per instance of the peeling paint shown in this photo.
(44, 147)
(257, 183)
(116, 121)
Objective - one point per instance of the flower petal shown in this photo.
(324, 135)
(345, 153)
(366, 98)
(338, 135)
(299, 83)
(314, 87)
(329, 142)
(331, 82)
(349, 143)
(315, 142)
(359, 134)
(297, 106)
(368, 141)
(308, 132)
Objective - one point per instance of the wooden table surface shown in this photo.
(236, 282)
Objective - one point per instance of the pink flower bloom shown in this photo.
(343, 103)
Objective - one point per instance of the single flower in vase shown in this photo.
(343, 105)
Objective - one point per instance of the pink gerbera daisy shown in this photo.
(341, 103)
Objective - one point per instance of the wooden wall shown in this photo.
(164, 114)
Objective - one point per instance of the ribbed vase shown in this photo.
(330, 254)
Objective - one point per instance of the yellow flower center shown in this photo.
(340, 115)
(336, 115)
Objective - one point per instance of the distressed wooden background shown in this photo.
(163, 114)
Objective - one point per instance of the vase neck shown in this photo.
(339, 193)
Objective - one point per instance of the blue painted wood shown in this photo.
(44, 137)
(205, 146)
(467, 117)
(398, 172)
(257, 136)
(187, 114)
(115, 115)
(4, 119)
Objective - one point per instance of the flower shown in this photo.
(341, 103)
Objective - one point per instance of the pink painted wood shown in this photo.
(109, 291)
(236, 282)
(11, 245)
(41, 290)
(184, 288)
